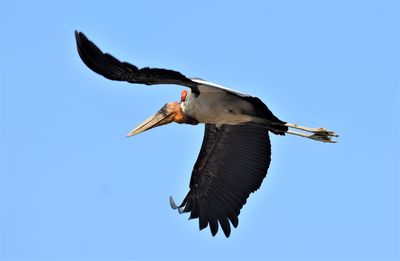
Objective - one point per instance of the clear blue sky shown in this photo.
(72, 187)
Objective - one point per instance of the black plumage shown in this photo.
(113, 69)
(232, 163)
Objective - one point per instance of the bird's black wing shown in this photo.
(113, 69)
(232, 163)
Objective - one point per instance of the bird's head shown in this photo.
(170, 112)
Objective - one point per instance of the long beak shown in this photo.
(162, 117)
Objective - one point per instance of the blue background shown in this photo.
(73, 187)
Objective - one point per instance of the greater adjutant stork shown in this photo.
(235, 154)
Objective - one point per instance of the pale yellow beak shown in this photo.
(162, 117)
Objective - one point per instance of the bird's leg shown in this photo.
(319, 134)
(313, 130)
(317, 137)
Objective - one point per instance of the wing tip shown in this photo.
(174, 205)
(79, 36)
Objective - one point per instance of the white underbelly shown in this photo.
(217, 108)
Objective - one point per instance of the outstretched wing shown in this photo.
(113, 69)
(232, 163)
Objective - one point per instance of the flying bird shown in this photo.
(235, 153)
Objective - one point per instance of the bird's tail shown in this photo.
(279, 128)
(276, 127)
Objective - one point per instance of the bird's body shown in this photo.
(218, 107)
(215, 108)
(235, 154)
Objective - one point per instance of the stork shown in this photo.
(235, 154)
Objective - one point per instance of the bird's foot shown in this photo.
(323, 137)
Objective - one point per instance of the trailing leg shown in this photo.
(318, 134)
